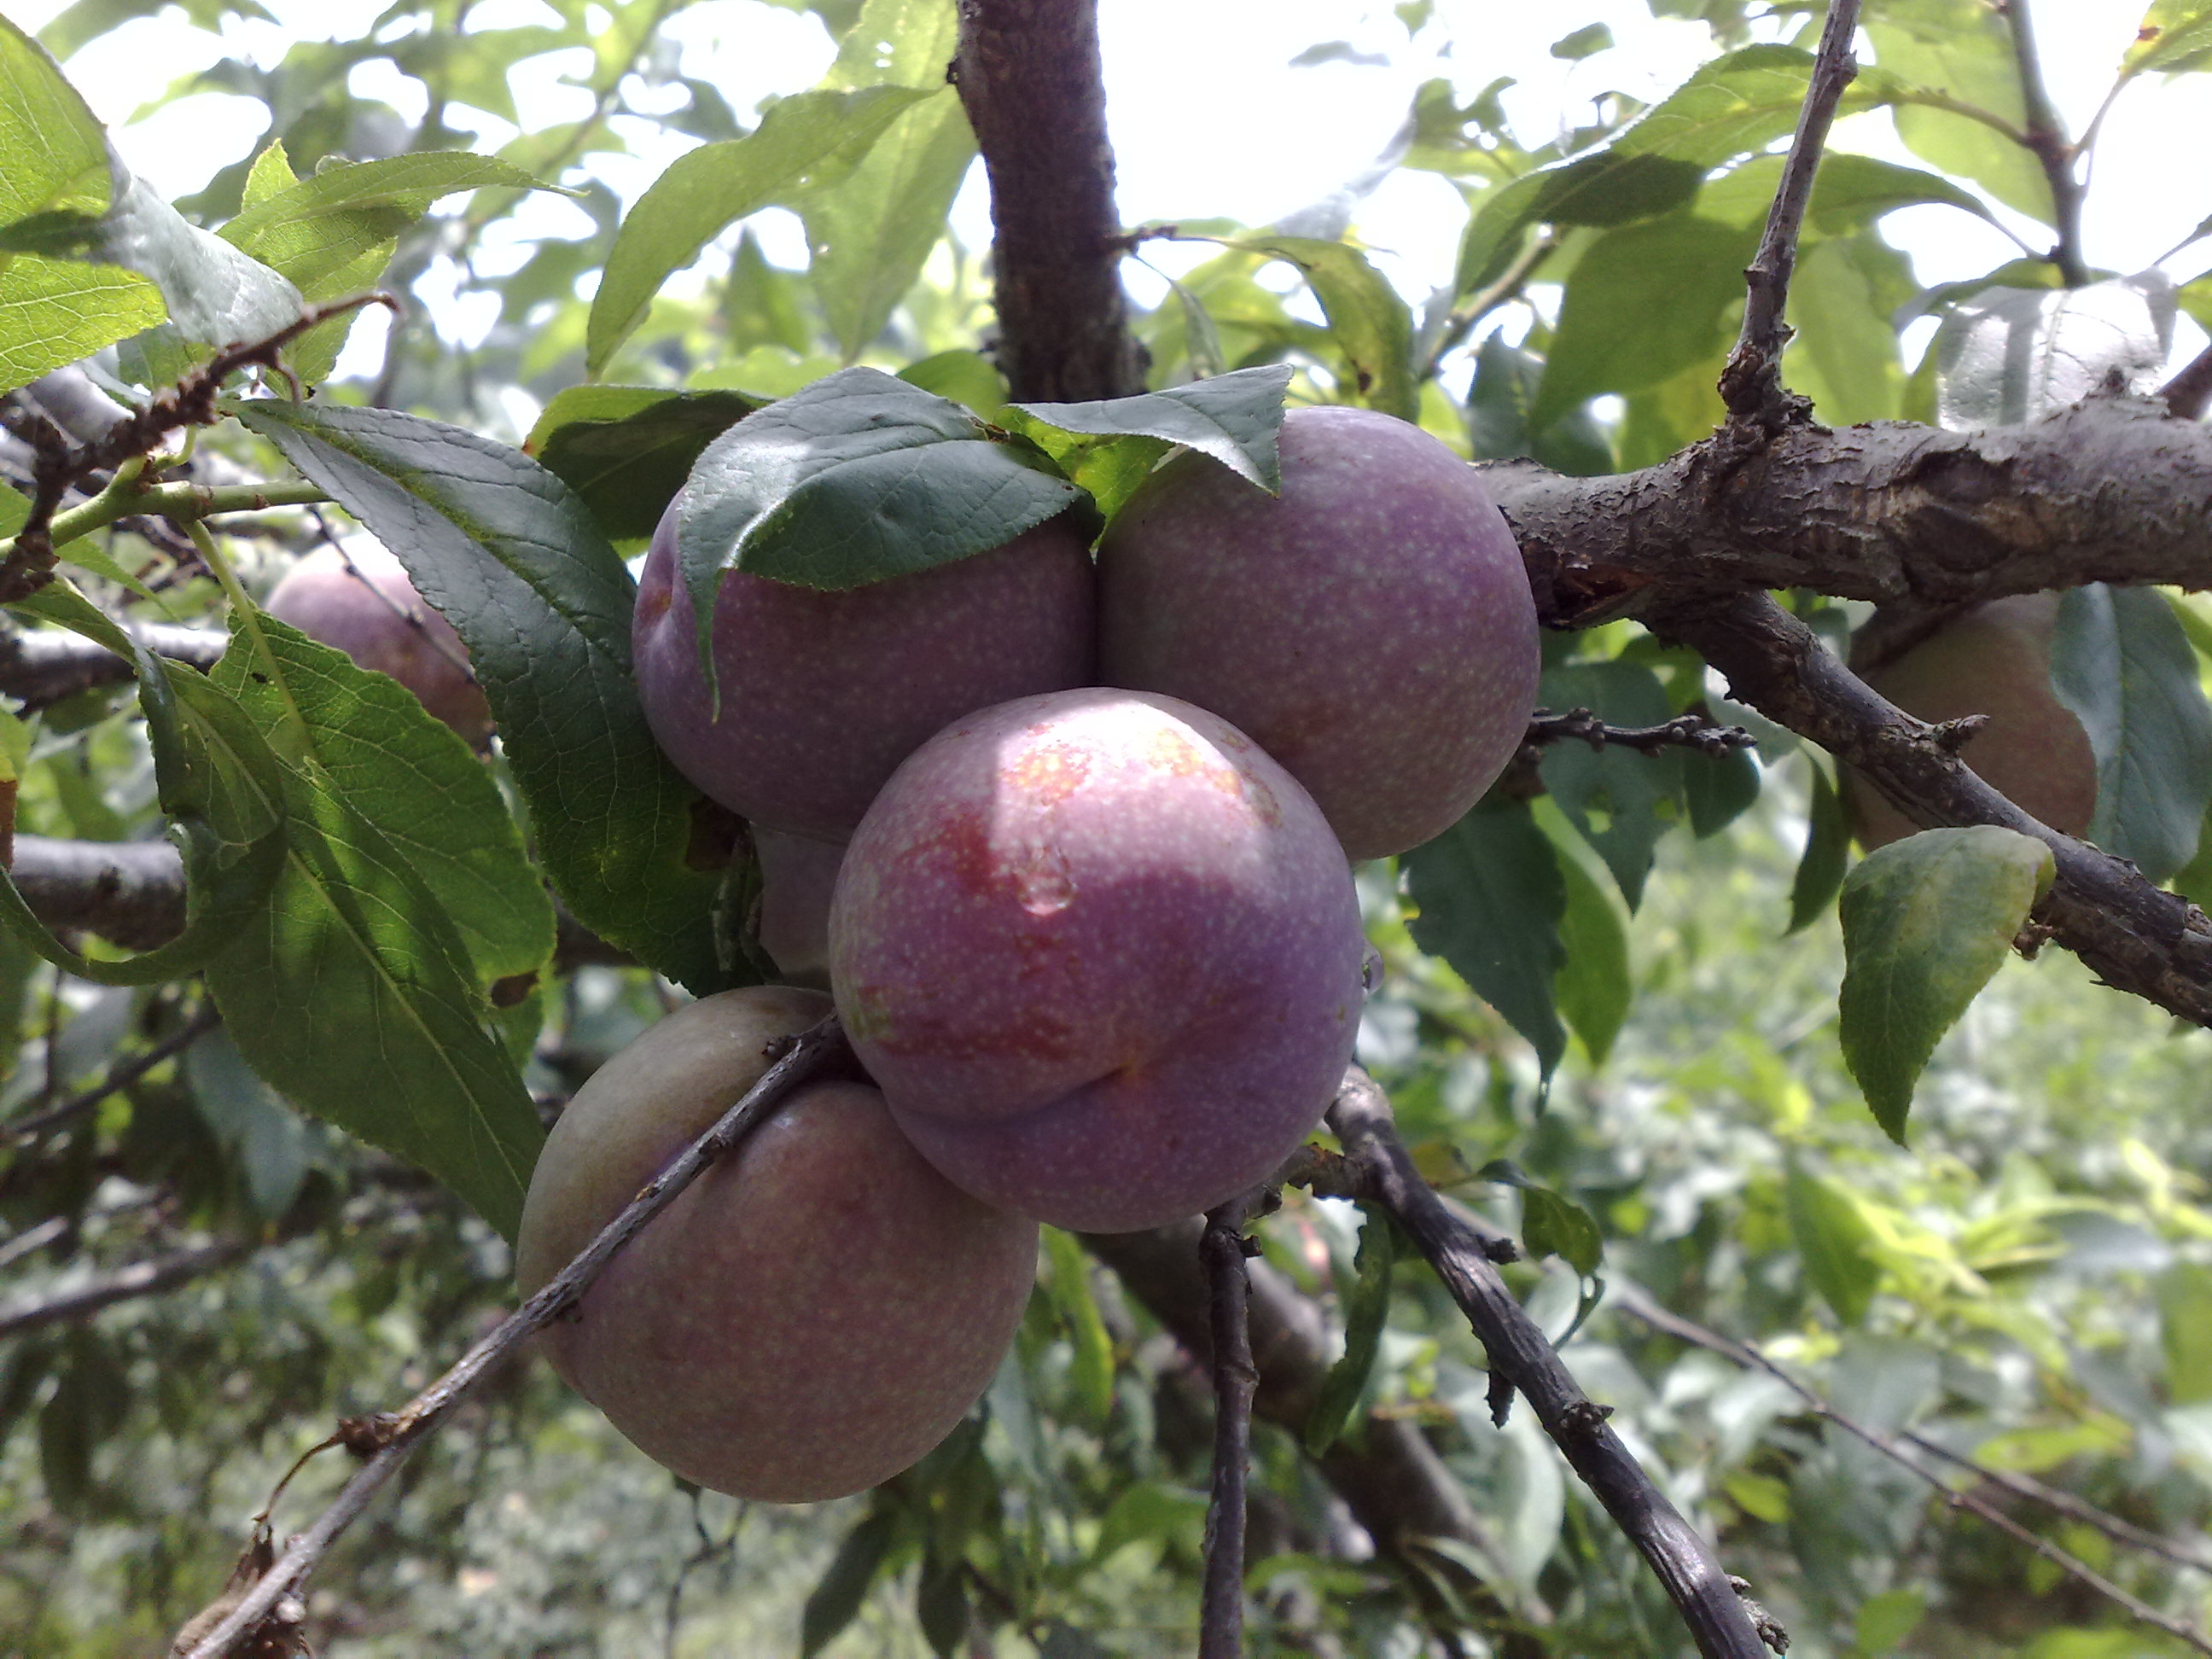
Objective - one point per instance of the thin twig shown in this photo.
(1744, 1354)
(1699, 732)
(1222, 1247)
(119, 1076)
(2189, 393)
(2045, 138)
(1750, 385)
(1715, 1610)
(387, 1440)
(140, 1279)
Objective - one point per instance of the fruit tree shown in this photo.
(771, 886)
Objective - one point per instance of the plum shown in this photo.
(823, 694)
(358, 599)
(798, 877)
(1372, 628)
(1102, 955)
(1994, 660)
(814, 1312)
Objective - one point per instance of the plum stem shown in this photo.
(1222, 1249)
(386, 1440)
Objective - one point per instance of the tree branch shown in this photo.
(2110, 489)
(1633, 1301)
(2044, 134)
(1222, 1248)
(1699, 732)
(1712, 1608)
(120, 1076)
(140, 1279)
(130, 891)
(387, 1440)
(1750, 385)
(2189, 393)
(1029, 78)
(41, 666)
(2138, 936)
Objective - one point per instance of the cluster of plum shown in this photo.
(1069, 840)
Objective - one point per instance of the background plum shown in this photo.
(1371, 628)
(814, 1313)
(1102, 953)
(359, 599)
(798, 876)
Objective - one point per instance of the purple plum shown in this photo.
(1102, 955)
(1371, 628)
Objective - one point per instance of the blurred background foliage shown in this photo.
(2030, 1283)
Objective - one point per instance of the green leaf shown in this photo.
(255, 1127)
(1594, 988)
(1551, 1224)
(1644, 302)
(1585, 42)
(626, 450)
(215, 779)
(366, 738)
(1366, 1305)
(2012, 355)
(800, 143)
(1926, 921)
(2185, 1313)
(2176, 36)
(762, 304)
(334, 233)
(1827, 853)
(1491, 901)
(1092, 1376)
(56, 149)
(1836, 1242)
(967, 378)
(871, 230)
(1960, 52)
(352, 992)
(1845, 354)
(853, 479)
(1885, 1620)
(1609, 188)
(2122, 663)
(1371, 324)
(506, 553)
(54, 312)
(1613, 796)
(1850, 192)
(1234, 418)
(1719, 789)
(836, 1600)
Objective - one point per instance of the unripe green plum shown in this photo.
(1372, 628)
(1103, 955)
(1994, 660)
(359, 600)
(798, 877)
(823, 694)
(812, 1313)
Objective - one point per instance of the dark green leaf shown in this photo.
(853, 479)
(1366, 1307)
(801, 143)
(1370, 322)
(1594, 988)
(506, 553)
(1491, 901)
(1551, 1224)
(1613, 795)
(836, 1600)
(1609, 188)
(1232, 417)
(1644, 302)
(1499, 401)
(1585, 42)
(1827, 854)
(1926, 921)
(941, 1606)
(1835, 1242)
(1719, 790)
(253, 1123)
(626, 450)
(2122, 663)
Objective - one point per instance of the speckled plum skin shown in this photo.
(1371, 628)
(1995, 660)
(376, 618)
(1103, 955)
(798, 877)
(813, 1314)
(823, 694)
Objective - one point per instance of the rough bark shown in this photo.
(2111, 490)
(1029, 78)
